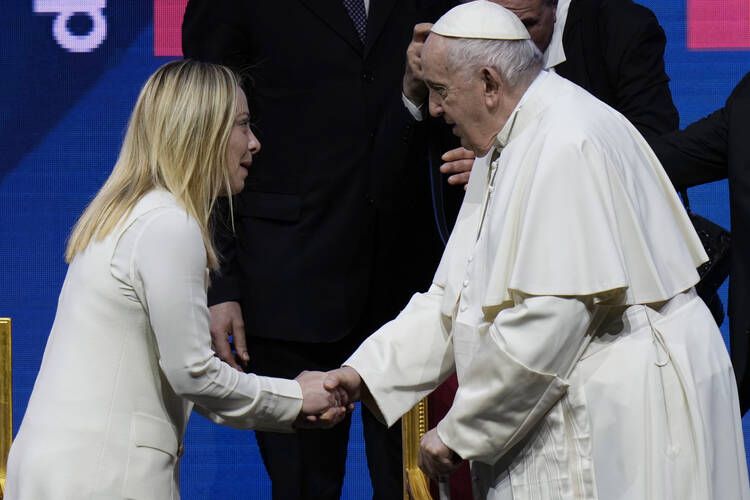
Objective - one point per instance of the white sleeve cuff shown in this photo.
(282, 402)
(414, 110)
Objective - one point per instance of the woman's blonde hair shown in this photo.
(177, 139)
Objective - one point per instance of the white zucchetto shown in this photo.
(481, 19)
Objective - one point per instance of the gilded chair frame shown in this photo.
(6, 399)
(413, 427)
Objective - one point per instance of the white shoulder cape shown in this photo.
(581, 206)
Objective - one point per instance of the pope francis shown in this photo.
(587, 366)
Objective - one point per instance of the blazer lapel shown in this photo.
(333, 13)
(377, 16)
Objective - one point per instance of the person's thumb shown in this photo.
(332, 381)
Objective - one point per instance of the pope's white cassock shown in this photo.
(587, 366)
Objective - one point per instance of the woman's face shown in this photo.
(242, 145)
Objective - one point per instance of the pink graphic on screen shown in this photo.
(718, 24)
(711, 25)
(168, 16)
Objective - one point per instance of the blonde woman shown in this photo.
(129, 354)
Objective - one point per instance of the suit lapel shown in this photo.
(377, 16)
(576, 53)
(333, 13)
(575, 15)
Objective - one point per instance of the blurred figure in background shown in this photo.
(718, 147)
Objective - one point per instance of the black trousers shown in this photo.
(310, 464)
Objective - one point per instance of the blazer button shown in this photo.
(367, 76)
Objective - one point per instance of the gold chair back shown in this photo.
(6, 399)
(413, 427)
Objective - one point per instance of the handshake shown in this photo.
(327, 397)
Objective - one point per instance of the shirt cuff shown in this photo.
(281, 401)
(414, 110)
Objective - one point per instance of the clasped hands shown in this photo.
(322, 407)
(327, 397)
(435, 458)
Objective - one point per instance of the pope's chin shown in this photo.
(467, 145)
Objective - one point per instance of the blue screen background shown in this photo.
(62, 118)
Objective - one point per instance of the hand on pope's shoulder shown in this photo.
(458, 164)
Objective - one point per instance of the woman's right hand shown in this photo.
(321, 407)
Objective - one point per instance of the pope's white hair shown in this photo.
(518, 61)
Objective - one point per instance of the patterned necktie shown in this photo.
(356, 10)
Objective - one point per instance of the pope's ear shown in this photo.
(492, 82)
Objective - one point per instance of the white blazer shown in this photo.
(128, 356)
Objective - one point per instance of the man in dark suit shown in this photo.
(718, 147)
(612, 48)
(615, 50)
(334, 229)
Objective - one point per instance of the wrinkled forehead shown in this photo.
(434, 52)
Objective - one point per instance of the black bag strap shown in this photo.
(437, 189)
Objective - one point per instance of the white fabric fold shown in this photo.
(579, 215)
(555, 53)
(587, 367)
(160, 262)
(516, 374)
(399, 369)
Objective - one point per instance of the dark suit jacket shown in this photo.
(615, 50)
(718, 147)
(334, 229)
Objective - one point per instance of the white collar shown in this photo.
(555, 54)
(510, 128)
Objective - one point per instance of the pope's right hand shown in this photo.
(321, 407)
(346, 379)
